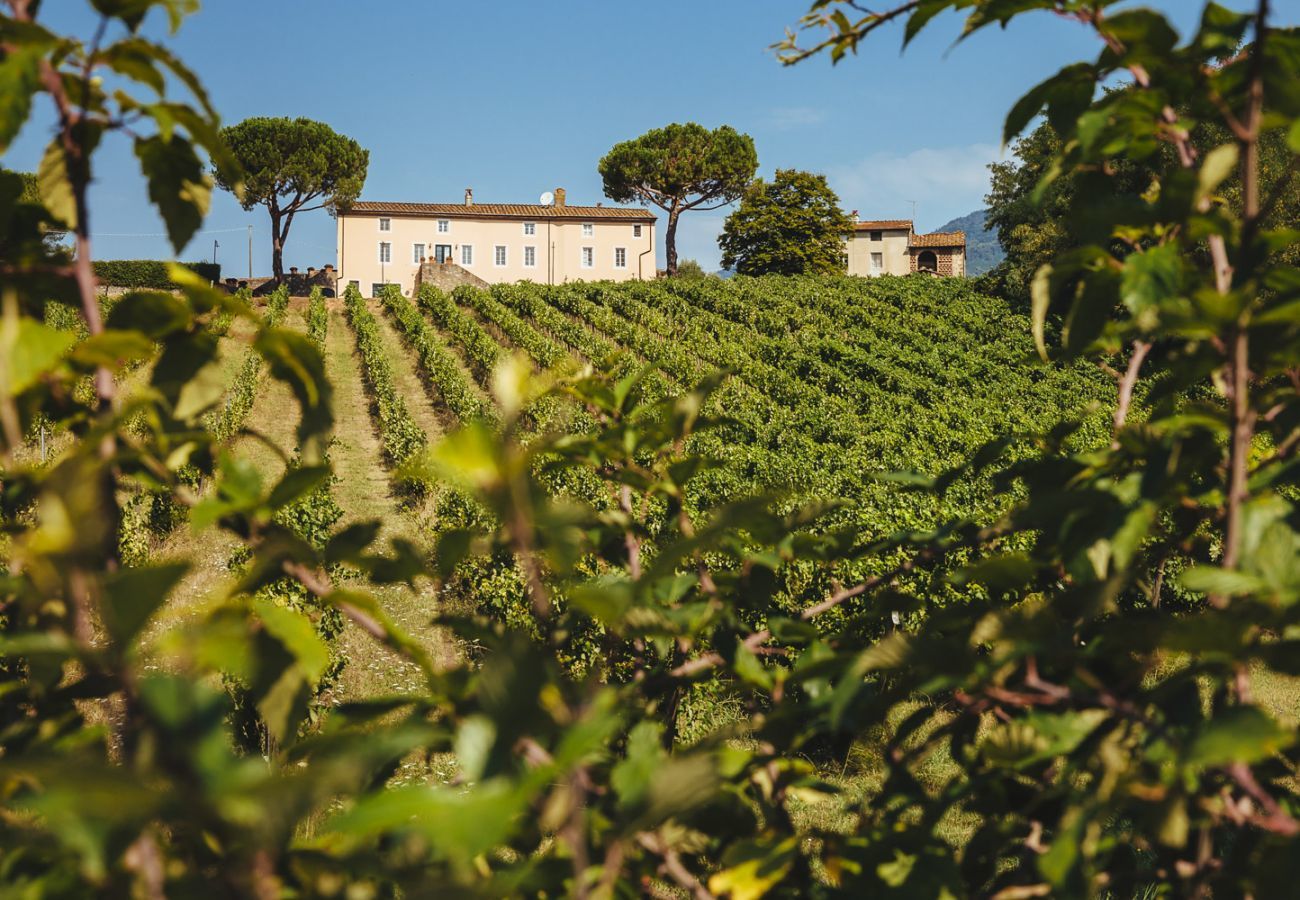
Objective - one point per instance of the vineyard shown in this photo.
(720, 589)
(836, 390)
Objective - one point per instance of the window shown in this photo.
(376, 289)
(588, 257)
(636, 231)
(877, 263)
(530, 229)
(588, 229)
(385, 224)
(530, 257)
(385, 252)
(417, 253)
(499, 255)
(467, 254)
(620, 257)
(355, 284)
(877, 236)
(444, 226)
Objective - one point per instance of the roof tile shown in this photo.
(500, 211)
(940, 239)
(883, 225)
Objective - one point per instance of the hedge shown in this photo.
(147, 273)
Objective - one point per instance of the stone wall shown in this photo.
(445, 276)
(950, 260)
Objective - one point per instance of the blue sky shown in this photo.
(516, 97)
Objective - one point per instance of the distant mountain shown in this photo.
(983, 251)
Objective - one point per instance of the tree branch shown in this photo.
(857, 32)
(74, 161)
(673, 867)
(758, 638)
(1242, 415)
(1126, 385)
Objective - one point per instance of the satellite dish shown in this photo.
(547, 198)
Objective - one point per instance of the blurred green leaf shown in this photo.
(135, 593)
(20, 72)
(1238, 734)
(56, 188)
(30, 350)
(178, 185)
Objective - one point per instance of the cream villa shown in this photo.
(385, 243)
(891, 247)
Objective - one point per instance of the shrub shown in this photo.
(148, 274)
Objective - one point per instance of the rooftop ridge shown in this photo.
(499, 210)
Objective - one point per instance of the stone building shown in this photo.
(892, 247)
(939, 253)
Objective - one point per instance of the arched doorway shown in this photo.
(927, 262)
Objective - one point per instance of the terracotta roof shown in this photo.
(883, 225)
(940, 239)
(500, 211)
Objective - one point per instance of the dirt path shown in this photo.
(409, 380)
(275, 414)
(363, 490)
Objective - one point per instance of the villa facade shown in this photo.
(892, 247)
(385, 243)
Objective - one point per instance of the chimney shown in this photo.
(329, 267)
(293, 270)
(559, 197)
(311, 270)
(469, 196)
(854, 215)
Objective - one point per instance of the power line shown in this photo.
(161, 234)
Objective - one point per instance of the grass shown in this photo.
(364, 491)
(275, 415)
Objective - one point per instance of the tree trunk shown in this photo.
(670, 242)
(277, 247)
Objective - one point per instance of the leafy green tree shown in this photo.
(691, 269)
(1032, 229)
(1038, 218)
(293, 166)
(680, 168)
(792, 226)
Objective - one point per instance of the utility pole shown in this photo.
(215, 245)
(250, 252)
(913, 202)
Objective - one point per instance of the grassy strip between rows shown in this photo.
(437, 360)
(401, 437)
(243, 390)
(149, 516)
(544, 351)
(482, 352)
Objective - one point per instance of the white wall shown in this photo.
(558, 248)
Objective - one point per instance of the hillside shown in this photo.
(983, 251)
(830, 373)
(834, 382)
